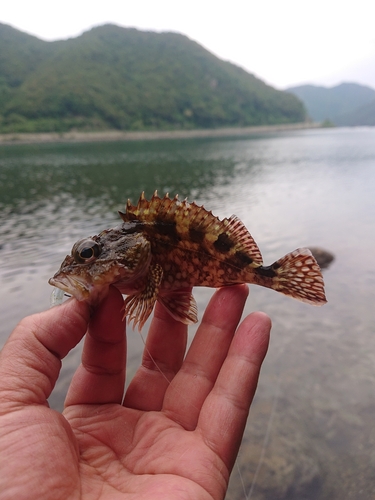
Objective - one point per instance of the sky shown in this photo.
(283, 42)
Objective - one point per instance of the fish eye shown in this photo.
(86, 251)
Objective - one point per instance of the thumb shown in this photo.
(30, 361)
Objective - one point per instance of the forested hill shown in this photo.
(344, 104)
(120, 78)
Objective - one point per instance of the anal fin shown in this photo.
(181, 305)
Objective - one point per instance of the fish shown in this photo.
(164, 247)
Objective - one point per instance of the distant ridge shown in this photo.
(344, 104)
(364, 115)
(125, 79)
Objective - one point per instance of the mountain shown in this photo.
(340, 104)
(122, 78)
(20, 55)
(364, 115)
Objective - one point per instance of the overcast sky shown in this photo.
(284, 42)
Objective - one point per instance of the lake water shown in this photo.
(311, 432)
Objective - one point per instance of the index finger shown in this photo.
(100, 378)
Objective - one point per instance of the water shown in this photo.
(316, 398)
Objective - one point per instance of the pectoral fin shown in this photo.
(181, 305)
(139, 306)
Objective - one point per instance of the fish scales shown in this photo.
(166, 246)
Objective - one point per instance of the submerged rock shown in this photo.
(323, 257)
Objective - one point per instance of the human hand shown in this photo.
(176, 433)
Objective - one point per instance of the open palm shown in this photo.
(175, 434)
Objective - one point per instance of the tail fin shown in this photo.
(297, 275)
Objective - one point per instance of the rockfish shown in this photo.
(164, 247)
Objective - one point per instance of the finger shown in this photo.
(30, 361)
(224, 413)
(162, 358)
(190, 387)
(101, 376)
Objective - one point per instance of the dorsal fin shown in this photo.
(195, 223)
(243, 237)
(148, 210)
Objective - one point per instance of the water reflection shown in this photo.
(106, 173)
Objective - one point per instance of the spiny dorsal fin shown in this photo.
(194, 222)
(147, 210)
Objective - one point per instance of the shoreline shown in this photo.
(120, 135)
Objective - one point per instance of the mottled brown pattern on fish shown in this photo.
(166, 246)
(192, 245)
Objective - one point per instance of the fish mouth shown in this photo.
(72, 285)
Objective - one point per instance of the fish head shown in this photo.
(116, 256)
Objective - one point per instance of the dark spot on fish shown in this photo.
(223, 243)
(240, 259)
(267, 271)
(131, 227)
(168, 229)
(195, 235)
